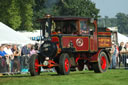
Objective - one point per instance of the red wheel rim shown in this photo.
(103, 62)
(66, 65)
(36, 65)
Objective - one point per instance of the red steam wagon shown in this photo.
(72, 42)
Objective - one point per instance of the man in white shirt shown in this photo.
(9, 60)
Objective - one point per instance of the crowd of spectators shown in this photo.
(119, 55)
(14, 58)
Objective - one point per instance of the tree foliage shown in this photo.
(26, 12)
(84, 8)
(43, 7)
(107, 22)
(4, 5)
(22, 14)
(120, 21)
(14, 18)
(9, 13)
(17, 13)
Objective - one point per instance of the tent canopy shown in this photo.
(8, 35)
(122, 38)
(35, 33)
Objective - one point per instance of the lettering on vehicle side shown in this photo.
(104, 42)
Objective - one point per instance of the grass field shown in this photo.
(111, 77)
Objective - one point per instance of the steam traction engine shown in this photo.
(71, 42)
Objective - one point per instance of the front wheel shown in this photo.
(33, 65)
(64, 64)
(102, 64)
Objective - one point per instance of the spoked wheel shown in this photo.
(80, 65)
(33, 65)
(102, 64)
(64, 64)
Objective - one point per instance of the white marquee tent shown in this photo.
(122, 38)
(10, 36)
(30, 34)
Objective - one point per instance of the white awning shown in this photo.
(8, 35)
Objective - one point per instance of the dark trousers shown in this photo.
(24, 62)
(3, 65)
(125, 61)
(12, 62)
(120, 59)
(16, 64)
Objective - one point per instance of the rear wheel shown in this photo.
(64, 64)
(102, 64)
(33, 65)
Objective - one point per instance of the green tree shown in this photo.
(43, 7)
(17, 14)
(107, 22)
(21, 14)
(9, 13)
(84, 8)
(113, 22)
(26, 12)
(101, 22)
(122, 22)
(14, 18)
(4, 5)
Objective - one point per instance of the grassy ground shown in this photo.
(111, 77)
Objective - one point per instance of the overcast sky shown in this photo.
(111, 7)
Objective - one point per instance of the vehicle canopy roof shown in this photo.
(66, 18)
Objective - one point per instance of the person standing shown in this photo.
(117, 54)
(121, 50)
(17, 54)
(9, 60)
(32, 51)
(3, 56)
(113, 53)
(126, 56)
(25, 54)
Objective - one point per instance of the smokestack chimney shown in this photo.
(47, 16)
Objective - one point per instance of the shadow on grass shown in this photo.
(54, 74)
(74, 73)
(49, 74)
(15, 75)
